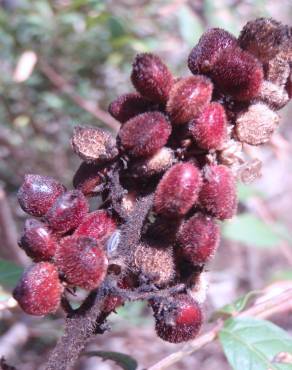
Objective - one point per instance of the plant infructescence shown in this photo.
(165, 182)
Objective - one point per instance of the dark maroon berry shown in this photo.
(67, 212)
(188, 98)
(151, 77)
(39, 290)
(218, 192)
(145, 134)
(289, 85)
(129, 105)
(82, 261)
(211, 43)
(37, 194)
(89, 179)
(37, 241)
(198, 238)
(178, 190)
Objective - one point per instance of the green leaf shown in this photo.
(250, 230)
(245, 192)
(250, 343)
(9, 273)
(126, 362)
(190, 25)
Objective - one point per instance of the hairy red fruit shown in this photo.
(89, 179)
(37, 194)
(188, 97)
(37, 241)
(218, 192)
(198, 238)
(144, 134)
(82, 261)
(94, 145)
(67, 212)
(289, 85)
(211, 43)
(238, 73)
(177, 319)
(129, 105)
(112, 302)
(178, 190)
(98, 225)
(209, 129)
(151, 77)
(39, 290)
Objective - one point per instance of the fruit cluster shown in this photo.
(180, 143)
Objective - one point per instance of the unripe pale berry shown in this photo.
(211, 43)
(273, 95)
(37, 241)
(218, 192)
(82, 261)
(209, 129)
(178, 190)
(144, 134)
(277, 69)
(67, 212)
(37, 194)
(39, 290)
(88, 178)
(129, 105)
(188, 97)
(198, 238)
(151, 77)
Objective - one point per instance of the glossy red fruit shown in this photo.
(82, 261)
(37, 241)
(37, 194)
(178, 190)
(98, 225)
(198, 238)
(177, 319)
(188, 98)
(237, 73)
(145, 134)
(218, 192)
(89, 179)
(39, 290)
(211, 43)
(209, 129)
(151, 77)
(67, 212)
(129, 105)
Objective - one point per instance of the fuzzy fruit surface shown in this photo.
(39, 290)
(88, 179)
(37, 194)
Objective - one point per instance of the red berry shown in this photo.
(151, 77)
(37, 194)
(218, 192)
(82, 261)
(209, 129)
(178, 190)
(144, 134)
(238, 73)
(88, 179)
(177, 319)
(67, 212)
(198, 238)
(128, 106)
(188, 97)
(37, 241)
(98, 225)
(289, 85)
(211, 43)
(39, 290)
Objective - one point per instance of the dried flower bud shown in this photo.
(209, 129)
(273, 95)
(211, 43)
(256, 125)
(188, 98)
(178, 190)
(130, 105)
(145, 134)
(151, 77)
(39, 290)
(93, 145)
(88, 179)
